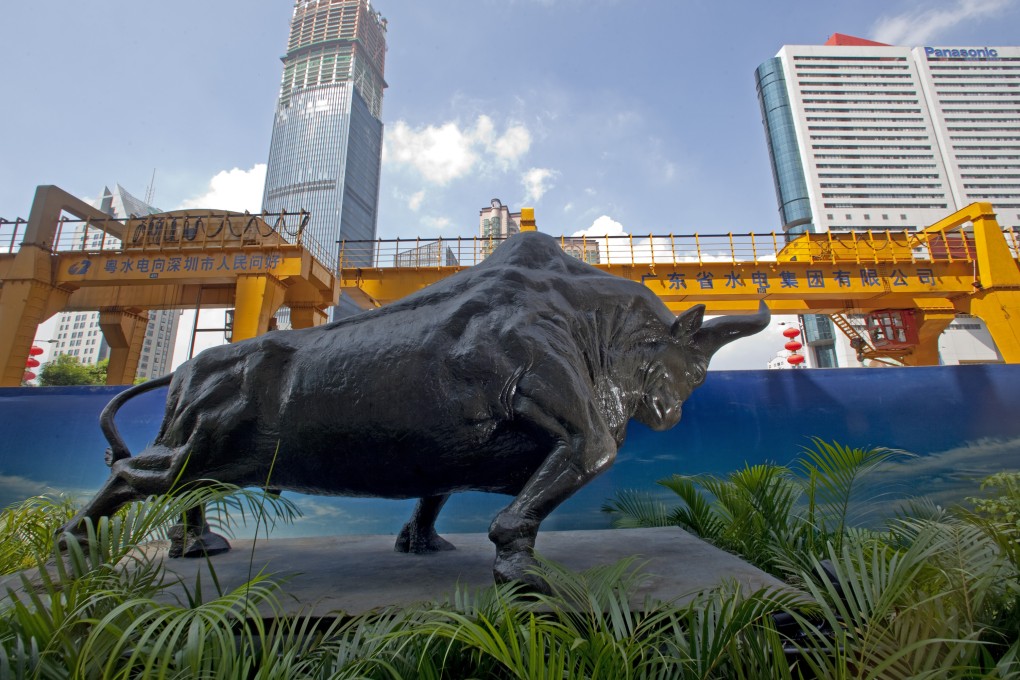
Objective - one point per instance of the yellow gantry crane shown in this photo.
(185, 259)
(123, 268)
(963, 264)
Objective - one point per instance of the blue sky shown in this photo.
(641, 113)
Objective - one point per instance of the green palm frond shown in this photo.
(697, 514)
(637, 509)
(729, 634)
(833, 474)
(28, 530)
(885, 625)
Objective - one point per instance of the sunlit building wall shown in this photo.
(863, 135)
(326, 148)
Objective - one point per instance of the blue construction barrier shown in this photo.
(960, 421)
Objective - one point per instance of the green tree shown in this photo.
(68, 370)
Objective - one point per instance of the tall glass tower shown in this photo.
(326, 150)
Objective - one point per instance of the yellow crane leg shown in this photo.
(257, 297)
(124, 332)
(23, 306)
(306, 316)
(996, 298)
(931, 324)
(1000, 310)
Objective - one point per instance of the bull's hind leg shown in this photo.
(419, 534)
(193, 537)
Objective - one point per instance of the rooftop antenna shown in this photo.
(150, 191)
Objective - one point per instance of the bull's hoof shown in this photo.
(409, 541)
(192, 544)
(519, 567)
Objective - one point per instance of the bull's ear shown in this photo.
(688, 323)
(723, 329)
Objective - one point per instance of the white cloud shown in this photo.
(536, 182)
(439, 154)
(414, 202)
(603, 226)
(447, 152)
(922, 25)
(514, 143)
(234, 189)
(437, 223)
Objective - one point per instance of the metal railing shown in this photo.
(673, 249)
(219, 230)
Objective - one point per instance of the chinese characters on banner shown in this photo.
(232, 263)
(812, 278)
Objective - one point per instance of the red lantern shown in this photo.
(31, 363)
(791, 333)
(795, 359)
(28, 375)
(793, 345)
(35, 351)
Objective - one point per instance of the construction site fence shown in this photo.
(672, 249)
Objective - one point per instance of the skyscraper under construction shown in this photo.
(326, 148)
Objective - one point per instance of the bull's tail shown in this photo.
(118, 449)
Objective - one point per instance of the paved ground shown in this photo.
(358, 573)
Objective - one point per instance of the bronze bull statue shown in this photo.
(517, 376)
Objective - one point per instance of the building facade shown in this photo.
(78, 333)
(863, 135)
(496, 223)
(326, 149)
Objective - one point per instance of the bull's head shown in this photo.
(679, 366)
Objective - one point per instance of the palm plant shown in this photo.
(27, 530)
(771, 515)
(589, 626)
(86, 609)
(921, 611)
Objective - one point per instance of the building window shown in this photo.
(825, 356)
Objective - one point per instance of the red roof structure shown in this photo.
(851, 41)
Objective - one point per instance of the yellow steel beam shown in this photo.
(256, 300)
(995, 297)
(124, 331)
(789, 287)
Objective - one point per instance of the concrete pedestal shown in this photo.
(353, 574)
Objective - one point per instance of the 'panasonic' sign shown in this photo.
(961, 53)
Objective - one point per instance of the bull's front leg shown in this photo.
(577, 458)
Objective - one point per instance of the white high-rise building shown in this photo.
(78, 333)
(864, 135)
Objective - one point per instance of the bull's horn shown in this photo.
(723, 329)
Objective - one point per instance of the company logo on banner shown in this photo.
(961, 53)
